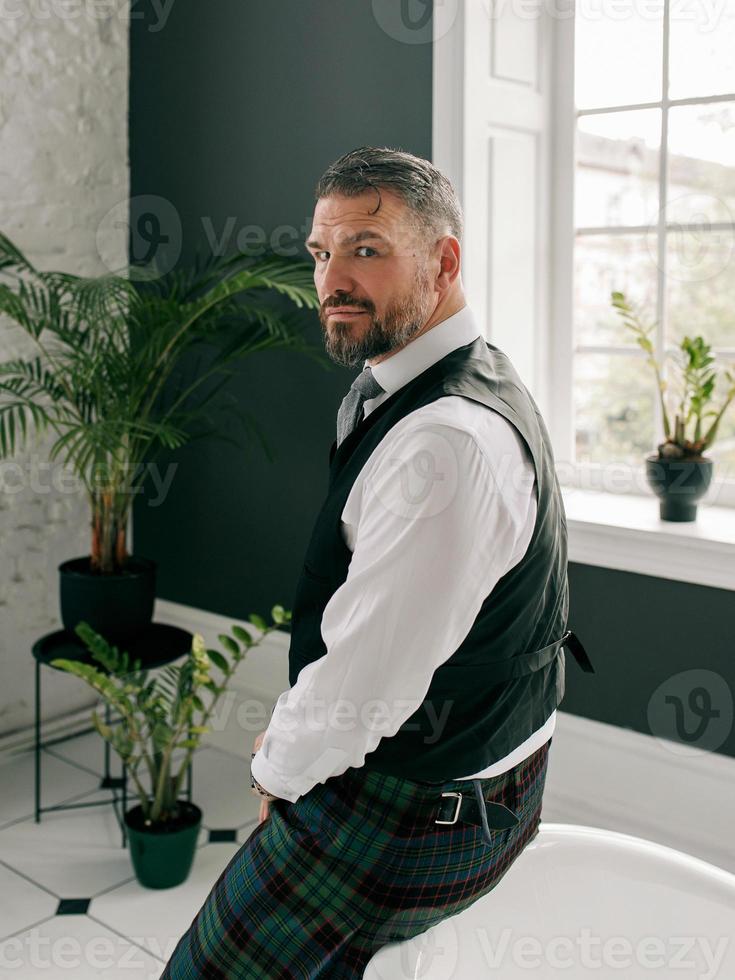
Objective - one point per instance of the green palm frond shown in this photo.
(109, 370)
(11, 256)
(93, 298)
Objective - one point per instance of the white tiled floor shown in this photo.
(598, 776)
(127, 931)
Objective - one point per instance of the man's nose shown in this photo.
(337, 278)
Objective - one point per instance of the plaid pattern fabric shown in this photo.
(356, 863)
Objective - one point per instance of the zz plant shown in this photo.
(688, 436)
(162, 713)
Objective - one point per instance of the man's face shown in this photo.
(372, 275)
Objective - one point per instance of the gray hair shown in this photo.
(427, 193)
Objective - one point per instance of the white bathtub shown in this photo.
(581, 902)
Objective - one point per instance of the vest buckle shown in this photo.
(456, 812)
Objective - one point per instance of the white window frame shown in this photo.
(618, 528)
(612, 478)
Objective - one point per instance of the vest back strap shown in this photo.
(527, 663)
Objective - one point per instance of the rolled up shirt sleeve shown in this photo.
(436, 531)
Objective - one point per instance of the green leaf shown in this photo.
(258, 621)
(218, 660)
(278, 614)
(243, 635)
(228, 643)
(105, 730)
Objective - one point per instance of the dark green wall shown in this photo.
(235, 111)
(641, 633)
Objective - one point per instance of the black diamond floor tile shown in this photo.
(219, 836)
(73, 906)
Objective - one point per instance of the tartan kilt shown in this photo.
(355, 863)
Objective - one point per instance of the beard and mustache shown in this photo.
(402, 320)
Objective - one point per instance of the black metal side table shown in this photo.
(156, 646)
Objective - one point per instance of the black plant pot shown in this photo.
(162, 856)
(679, 483)
(119, 606)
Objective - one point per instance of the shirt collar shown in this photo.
(426, 349)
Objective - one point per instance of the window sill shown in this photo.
(623, 531)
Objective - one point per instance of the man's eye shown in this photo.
(360, 249)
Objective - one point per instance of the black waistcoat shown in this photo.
(507, 676)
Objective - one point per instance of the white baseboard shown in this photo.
(602, 775)
(599, 775)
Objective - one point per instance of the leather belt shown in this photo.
(458, 806)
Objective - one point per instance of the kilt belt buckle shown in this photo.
(487, 814)
(457, 808)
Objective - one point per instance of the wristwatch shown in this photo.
(255, 785)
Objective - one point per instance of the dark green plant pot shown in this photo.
(118, 606)
(162, 856)
(679, 483)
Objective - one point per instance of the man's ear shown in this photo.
(449, 254)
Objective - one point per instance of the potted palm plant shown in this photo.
(679, 473)
(151, 719)
(107, 376)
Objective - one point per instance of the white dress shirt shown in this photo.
(443, 508)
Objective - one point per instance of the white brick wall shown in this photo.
(63, 167)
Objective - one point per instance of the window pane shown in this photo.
(603, 263)
(617, 53)
(617, 164)
(702, 49)
(702, 163)
(700, 287)
(614, 408)
(722, 449)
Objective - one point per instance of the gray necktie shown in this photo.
(350, 411)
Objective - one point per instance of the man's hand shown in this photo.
(264, 804)
(264, 810)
